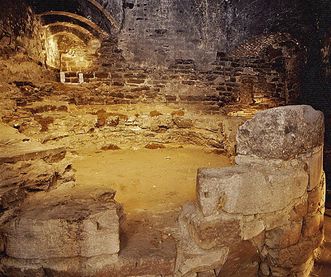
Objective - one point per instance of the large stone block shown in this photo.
(74, 228)
(281, 133)
(214, 232)
(249, 190)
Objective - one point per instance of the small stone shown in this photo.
(154, 146)
(265, 269)
(210, 273)
(102, 116)
(204, 261)
(183, 122)
(178, 113)
(299, 211)
(110, 147)
(155, 113)
(112, 121)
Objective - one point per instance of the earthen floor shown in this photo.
(146, 180)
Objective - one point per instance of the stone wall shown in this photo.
(49, 114)
(264, 216)
(20, 31)
(44, 222)
(248, 220)
(240, 81)
(158, 32)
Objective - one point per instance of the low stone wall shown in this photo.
(46, 113)
(264, 216)
(261, 217)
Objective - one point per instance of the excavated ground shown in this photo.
(152, 184)
(146, 180)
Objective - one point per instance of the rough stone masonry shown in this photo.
(263, 216)
(260, 217)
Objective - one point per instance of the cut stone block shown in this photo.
(249, 190)
(297, 254)
(281, 133)
(285, 236)
(74, 228)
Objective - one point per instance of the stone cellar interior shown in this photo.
(165, 138)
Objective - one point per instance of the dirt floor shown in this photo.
(146, 180)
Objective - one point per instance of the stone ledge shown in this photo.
(64, 229)
(249, 190)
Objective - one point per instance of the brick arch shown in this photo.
(77, 30)
(78, 18)
(97, 11)
(106, 13)
(259, 45)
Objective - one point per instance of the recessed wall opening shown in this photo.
(164, 138)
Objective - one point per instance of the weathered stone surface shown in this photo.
(316, 197)
(264, 269)
(288, 257)
(252, 229)
(299, 211)
(190, 257)
(210, 273)
(249, 190)
(202, 262)
(312, 225)
(314, 161)
(183, 122)
(277, 219)
(85, 228)
(63, 267)
(281, 133)
(230, 129)
(285, 236)
(211, 233)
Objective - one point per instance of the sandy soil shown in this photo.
(146, 180)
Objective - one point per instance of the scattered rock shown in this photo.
(110, 147)
(44, 122)
(183, 122)
(113, 121)
(154, 146)
(178, 113)
(102, 118)
(155, 113)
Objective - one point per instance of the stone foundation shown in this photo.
(261, 217)
(271, 202)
